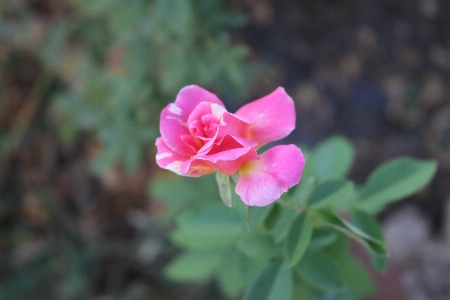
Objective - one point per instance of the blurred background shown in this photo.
(82, 84)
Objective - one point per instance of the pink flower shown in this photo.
(199, 136)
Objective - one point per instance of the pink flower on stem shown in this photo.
(199, 136)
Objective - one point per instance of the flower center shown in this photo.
(204, 120)
(204, 128)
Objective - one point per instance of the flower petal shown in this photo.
(168, 159)
(275, 115)
(228, 142)
(235, 125)
(173, 122)
(193, 142)
(226, 161)
(231, 166)
(231, 125)
(197, 167)
(190, 96)
(263, 181)
(203, 120)
(206, 108)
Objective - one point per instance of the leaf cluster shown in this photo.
(297, 248)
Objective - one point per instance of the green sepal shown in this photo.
(223, 181)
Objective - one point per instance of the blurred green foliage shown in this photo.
(121, 61)
(298, 247)
(105, 69)
(96, 72)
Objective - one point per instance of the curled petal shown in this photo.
(236, 125)
(233, 127)
(206, 108)
(228, 142)
(190, 96)
(197, 167)
(192, 142)
(227, 162)
(273, 117)
(168, 159)
(174, 117)
(229, 154)
(263, 181)
(203, 120)
(230, 167)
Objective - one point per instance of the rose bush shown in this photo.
(199, 136)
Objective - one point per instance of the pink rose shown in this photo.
(199, 136)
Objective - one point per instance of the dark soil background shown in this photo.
(376, 71)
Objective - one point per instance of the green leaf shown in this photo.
(231, 274)
(274, 283)
(308, 170)
(358, 282)
(333, 220)
(395, 180)
(302, 192)
(194, 265)
(330, 192)
(322, 237)
(179, 192)
(253, 269)
(258, 215)
(299, 237)
(339, 248)
(374, 245)
(319, 271)
(283, 224)
(211, 220)
(333, 158)
(258, 246)
(273, 217)
(223, 181)
(367, 223)
(348, 203)
(370, 226)
(283, 285)
(198, 241)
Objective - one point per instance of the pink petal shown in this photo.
(197, 167)
(227, 161)
(206, 108)
(168, 159)
(230, 167)
(173, 122)
(229, 142)
(274, 117)
(230, 125)
(235, 125)
(192, 142)
(190, 96)
(203, 120)
(263, 181)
